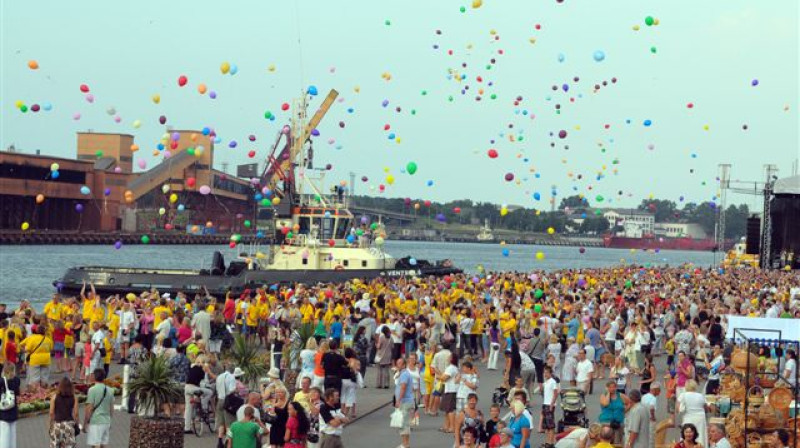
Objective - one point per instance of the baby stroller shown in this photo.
(573, 405)
(500, 396)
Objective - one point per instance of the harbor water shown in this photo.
(27, 272)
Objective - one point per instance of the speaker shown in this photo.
(753, 235)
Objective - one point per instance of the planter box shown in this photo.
(156, 433)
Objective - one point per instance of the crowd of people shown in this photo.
(589, 331)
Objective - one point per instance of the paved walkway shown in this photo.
(370, 430)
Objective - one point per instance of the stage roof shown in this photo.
(787, 185)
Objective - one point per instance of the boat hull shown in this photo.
(122, 280)
(653, 243)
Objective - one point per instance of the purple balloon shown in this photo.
(315, 132)
(212, 94)
(107, 192)
(79, 208)
(118, 245)
(232, 144)
(440, 217)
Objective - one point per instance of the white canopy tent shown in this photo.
(763, 327)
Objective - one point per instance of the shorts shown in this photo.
(448, 403)
(38, 374)
(406, 409)
(247, 329)
(611, 346)
(548, 417)
(97, 434)
(438, 389)
(223, 417)
(79, 349)
(58, 350)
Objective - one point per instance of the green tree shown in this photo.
(664, 210)
(573, 202)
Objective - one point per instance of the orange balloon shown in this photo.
(39, 198)
(134, 147)
(33, 65)
(201, 88)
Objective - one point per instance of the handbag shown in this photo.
(7, 400)
(28, 358)
(396, 419)
(232, 403)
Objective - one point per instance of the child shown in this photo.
(59, 337)
(492, 424)
(467, 384)
(672, 386)
(109, 353)
(494, 440)
(11, 349)
(669, 349)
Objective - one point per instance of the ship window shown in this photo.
(363, 263)
(327, 228)
(305, 260)
(304, 225)
(346, 262)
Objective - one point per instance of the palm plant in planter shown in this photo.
(154, 386)
(245, 355)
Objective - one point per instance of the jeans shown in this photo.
(188, 412)
(410, 344)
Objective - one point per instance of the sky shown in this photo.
(689, 76)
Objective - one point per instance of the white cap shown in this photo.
(237, 372)
(166, 295)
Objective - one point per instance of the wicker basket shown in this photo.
(780, 398)
(769, 418)
(739, 361)
(754, 441)
(755, 396)
(734, 423)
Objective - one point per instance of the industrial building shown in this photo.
(119, 199)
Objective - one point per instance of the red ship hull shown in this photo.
(652, 243)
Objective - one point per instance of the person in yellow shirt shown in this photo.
(162, 306)
(251, 320)
(54, 308)
(37, 348)
(109, 353)
(307, 310)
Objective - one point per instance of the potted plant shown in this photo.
(154, 387)
(245, 355)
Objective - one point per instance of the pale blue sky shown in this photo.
(707, 54)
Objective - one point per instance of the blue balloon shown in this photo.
(506, 252)
(391, 136)
(258, 197)
(206, 130)
(648, 122)
(54, 174)
(232, 144)
(47, 106)
(430, 183)
(561, 57)
(234, 69)
(537, 196)
(85, 190)
(599, 55)
(259, 234)
(181, 207)
(160, 146)
(350, 239)
(412, 261)
(312, 90)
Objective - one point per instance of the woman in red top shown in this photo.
(11, 348)
(230, 309)
(296, 427)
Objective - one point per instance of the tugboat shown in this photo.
(316, 237)
(485, 233)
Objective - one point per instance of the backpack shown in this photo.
(527, 364)
(7, 399)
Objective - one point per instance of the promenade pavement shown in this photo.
(370, 430)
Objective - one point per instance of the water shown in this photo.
(27, 272)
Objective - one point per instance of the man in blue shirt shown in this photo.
(404, 400)
(336, 329)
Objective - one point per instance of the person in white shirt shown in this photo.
(583, 371)
(790, 368)
(98, 343)
(467, 384)
(127, 321)
(550, 388)
(254, 401)
(716, 436)
(225, 384)
(650, 401)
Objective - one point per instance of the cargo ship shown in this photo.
(649, 242)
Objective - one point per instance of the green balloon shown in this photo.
(265, 202)
(289, 235)
(23, 109)
(538, 293)
(411, 167)
(649, 20)
(359, 232)
(537, 308)
(628, 284)
(599, 198)
(373, 226)
(190, 151)
(145, 239)
(653, 50)
(247, 223)
(462, 9)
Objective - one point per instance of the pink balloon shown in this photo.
(90, 97)
(117, 118)
(142, 164)
(76, 116)
(205, 189)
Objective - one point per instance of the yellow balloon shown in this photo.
(540, 255)
(173, 198)
(390, 179)
(137, 123)
(503, 211)
(276, 200)
(271, 67)
(156, 98)
(225, 67)
(25, 226)
(130, 296)
(477, 4)
(551, 230)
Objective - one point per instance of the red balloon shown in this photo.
(386, 127)
(509, 177)
(173, 145)
(251, 154)
(427, 203)
(331, 242)
(190, 182)
(168, 226)
(285, 106)
(84, 88)
(232, 244)
(492, 153)
(456, 210)
(182, 80)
